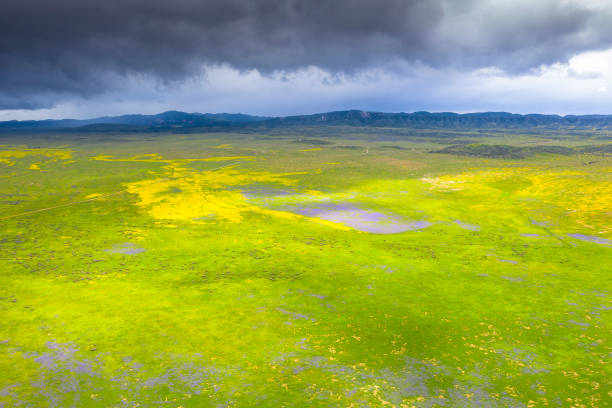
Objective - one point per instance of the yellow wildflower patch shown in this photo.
(156, 158)
(586, 201)
(7, 156)
(332, 224)
(313, 192)
(189, 195)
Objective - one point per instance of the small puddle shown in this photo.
(530, 235)
(539, 223)
(126, 248)
(465, 225)
(591, 238)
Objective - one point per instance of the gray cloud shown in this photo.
(50, 50)
(572, 73)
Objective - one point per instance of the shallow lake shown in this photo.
(360, 219)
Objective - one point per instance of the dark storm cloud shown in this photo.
(82, 47)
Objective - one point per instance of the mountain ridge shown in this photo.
(421, 119)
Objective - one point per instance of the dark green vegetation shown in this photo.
(232, 269)
(505, 151)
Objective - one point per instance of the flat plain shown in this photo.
(294, 270)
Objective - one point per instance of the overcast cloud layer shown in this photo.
(84, 57)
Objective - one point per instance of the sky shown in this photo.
(89, 58)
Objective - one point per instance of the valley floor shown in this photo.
(243, 270)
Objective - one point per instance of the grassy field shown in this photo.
(235, 270)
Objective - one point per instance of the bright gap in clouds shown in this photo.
(579, 87)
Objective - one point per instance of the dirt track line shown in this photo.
(61, 205)
(99, 197)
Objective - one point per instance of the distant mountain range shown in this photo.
(420, 120)
(163, 120)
